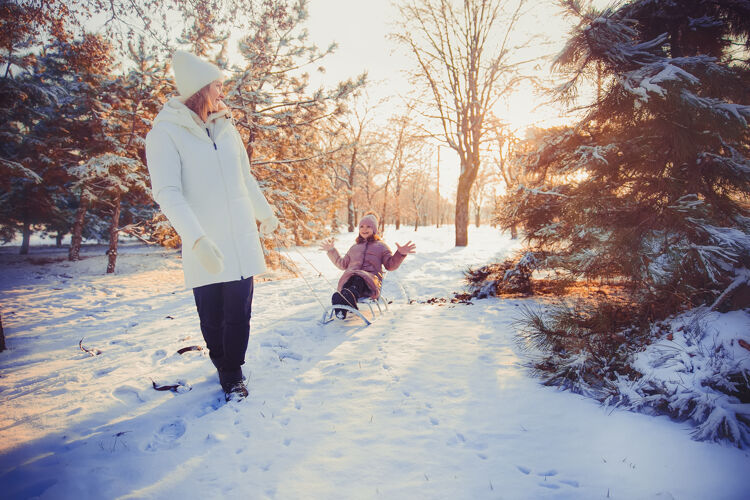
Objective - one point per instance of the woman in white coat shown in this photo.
(200, 177)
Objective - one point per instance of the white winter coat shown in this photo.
(200, 177)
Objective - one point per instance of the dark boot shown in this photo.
(345, 298)
(237, 392)
(233, 385)
(228, 378)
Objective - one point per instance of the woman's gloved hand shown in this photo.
(209, 255)
(269, 225)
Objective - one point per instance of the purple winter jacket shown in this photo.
(367, 260)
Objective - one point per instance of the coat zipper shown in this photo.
(229, 212)
(364, 255)
(212, 139)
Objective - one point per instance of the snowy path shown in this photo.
(429, 402)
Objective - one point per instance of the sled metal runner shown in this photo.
(330, 312)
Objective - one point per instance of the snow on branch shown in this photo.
(649, 78)
(590, 154)
(716, 261)
(719, 107)
(742, 278)
(19, 169)
(688, 203)
(539, 191)
(728, 237)
(697, 373)
(113, 170)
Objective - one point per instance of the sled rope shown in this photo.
(320, 274)
(280, 246)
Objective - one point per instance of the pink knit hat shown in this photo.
(371, 220)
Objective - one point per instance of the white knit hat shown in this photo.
(192, 73)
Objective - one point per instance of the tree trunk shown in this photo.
(26, 231)
(398, 200)
(74, 253)
(59, 238)
(462, 216)
(385, 201)
(463, 196)
(513, 232)
(2, 335)
(114, 235)
(350, 215)
(477, 216)
(437, 192)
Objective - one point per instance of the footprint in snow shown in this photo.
(105, 371)
(456, 440)
(549, 485)
(281, 344)
(210, 406)
(167, 436)
(524, 470)
(128, 394)
(290, 355)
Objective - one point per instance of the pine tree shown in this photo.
(281, 121)
(40, 125)
(25, 101)
(88, 63)
(649, 188)
(651, 185)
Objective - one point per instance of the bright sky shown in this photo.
(361, 28)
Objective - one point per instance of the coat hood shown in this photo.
(175, 111)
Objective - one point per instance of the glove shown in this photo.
(209, 255)
(269, 225)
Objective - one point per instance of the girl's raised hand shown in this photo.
(327, 245)
(406, 249)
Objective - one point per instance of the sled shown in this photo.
(381, 303)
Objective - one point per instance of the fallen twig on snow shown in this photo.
(178, 387)
(189, 348)
(92, 352)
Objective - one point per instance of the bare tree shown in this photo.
(355, 134)
(419, 181)
(510, 155)
(405, 145)
(504, 148)
(464, 59)
(480, 192)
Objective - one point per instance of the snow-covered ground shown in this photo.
(428, 402)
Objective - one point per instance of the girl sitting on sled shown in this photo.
(363, 264)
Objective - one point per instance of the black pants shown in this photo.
(224, 310)
(354, 289)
